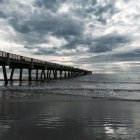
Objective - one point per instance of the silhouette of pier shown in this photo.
(48, 70)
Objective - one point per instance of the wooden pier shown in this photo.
(48, 69)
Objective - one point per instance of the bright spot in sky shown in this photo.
(64, 8)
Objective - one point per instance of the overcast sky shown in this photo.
(98, 35)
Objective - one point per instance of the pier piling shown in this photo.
(5, 74)
(30, 74)
(36, 74)
(12, 73)
(20, 77)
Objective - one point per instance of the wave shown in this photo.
(37, 89)
(37, 93)
(99, 87)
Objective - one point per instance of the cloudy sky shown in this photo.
(98, 35)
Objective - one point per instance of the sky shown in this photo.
(98, 35)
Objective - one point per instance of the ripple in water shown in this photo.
(86, 120)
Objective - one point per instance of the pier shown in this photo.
(48, 70)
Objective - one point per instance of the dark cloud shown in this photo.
(1, 1)
(98, 45)
(44, 51)
(110, 58)
(39, 25)
(105, 12)
(2, 15)
(109, 42)
(74, 41)
(102, 11)
(52, 5)
(128, 56)
(41, 50)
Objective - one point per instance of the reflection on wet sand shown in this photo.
(69, 119)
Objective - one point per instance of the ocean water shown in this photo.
(98, 106)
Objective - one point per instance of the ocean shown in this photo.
(98, 106)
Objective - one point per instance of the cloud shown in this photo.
(104, 12)
(52, 5)
(109, 42)
(36, 28)
(91, 31)
(2, 15)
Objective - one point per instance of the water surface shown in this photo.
(84, 108)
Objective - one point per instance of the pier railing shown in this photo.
(48, 69)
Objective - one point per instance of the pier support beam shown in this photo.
(30, 74)
(44, 74)
(41, 74)
(12, 73)
(65, 74)
(36, 74)
(5, 74)
(60, 74)
(47, 74)
(20, 76)
(68, 73)
(55, 74)
(50, 74)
